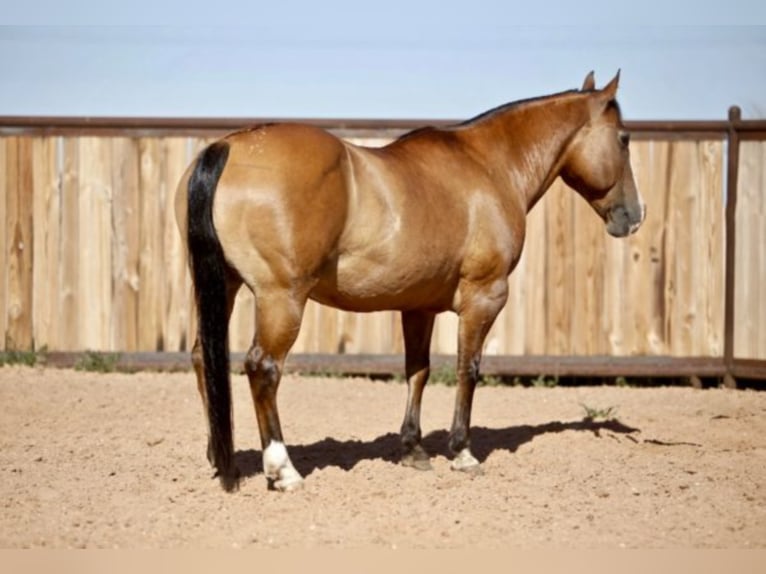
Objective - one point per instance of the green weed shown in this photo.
(27, 358)
(96, 362)
(491, 381)
(444, 374)
(597, 414)
(545, 381)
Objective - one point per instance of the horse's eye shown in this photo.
(624, 138)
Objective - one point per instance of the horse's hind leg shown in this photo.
(233, 283)
(278, 319)
(417, 328)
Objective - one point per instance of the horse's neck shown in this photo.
(529, 141)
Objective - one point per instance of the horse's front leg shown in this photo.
(417, 327)
(476, 318)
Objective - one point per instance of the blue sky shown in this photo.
(383, 60)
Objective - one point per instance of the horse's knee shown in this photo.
(262, 370)
(261, 364)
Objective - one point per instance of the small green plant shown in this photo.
(444, 374)
(545, 381)
(491, 381)
(322, 373)
(596, 414)
(28, 358)
(96, 362)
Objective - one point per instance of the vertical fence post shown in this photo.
(732, 174)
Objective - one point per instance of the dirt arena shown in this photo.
(117, 461)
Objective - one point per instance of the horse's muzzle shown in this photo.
(623, 221)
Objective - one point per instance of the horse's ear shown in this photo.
(590, 82)
(610, 90)
(601, 98)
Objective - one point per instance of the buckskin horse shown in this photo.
(432, 222)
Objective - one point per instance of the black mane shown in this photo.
(484, 115)
(506, 107)
(424, 130)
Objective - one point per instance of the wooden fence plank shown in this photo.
(750, 284)
(560, 268)
(47, 238)
(694, 250)
(712, 236)
(13, 303)
(125, 245)
(151, 273)
(653, 178)
(95, 266)
(637, 277)
(20, 244)
(759, 352)
(69, 253)
(176, 306)
(680, 248)
(5, 182)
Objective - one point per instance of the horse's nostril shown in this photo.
(619, 213)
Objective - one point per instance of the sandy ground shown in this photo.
(103, 461)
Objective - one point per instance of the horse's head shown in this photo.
(597, 162)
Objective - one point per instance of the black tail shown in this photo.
(209, 270)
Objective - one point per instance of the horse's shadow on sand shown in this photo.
(484, 441)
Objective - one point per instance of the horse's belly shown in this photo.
(361, 287)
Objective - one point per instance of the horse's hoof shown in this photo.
(416, 462)
(417, 458)
(288, 484)
(278, 469)
(475, 470)
(466, 462)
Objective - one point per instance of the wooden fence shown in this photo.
(90, 257)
